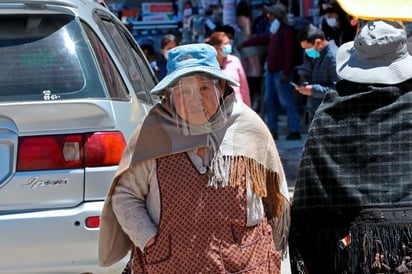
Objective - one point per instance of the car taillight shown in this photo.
(92, 222)
(103, 148)
(70, 151)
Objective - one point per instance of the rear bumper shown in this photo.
(52, 241)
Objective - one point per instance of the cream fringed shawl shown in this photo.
(243, 144)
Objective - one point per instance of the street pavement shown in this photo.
(290, 153)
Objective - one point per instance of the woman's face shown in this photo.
(219, 48)
(196, 98)
(167, 47)
(271, 17)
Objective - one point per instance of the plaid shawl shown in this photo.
(243, 143)
(358, 154)
(359, 150)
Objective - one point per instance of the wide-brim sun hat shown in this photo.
(378, 55)
(191, 58)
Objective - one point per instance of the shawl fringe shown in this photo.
(231, 170)
(381, 241)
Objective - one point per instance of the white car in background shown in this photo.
(73, 86)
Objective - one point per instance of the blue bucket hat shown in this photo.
(186, 59)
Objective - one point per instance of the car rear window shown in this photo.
(45, 57)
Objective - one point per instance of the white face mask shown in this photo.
(331, 22)
(274, 26)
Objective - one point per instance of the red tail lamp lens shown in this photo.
(50, 152)
(70, 151)
(93, 222)
(103, 148)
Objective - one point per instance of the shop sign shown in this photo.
(157, 12)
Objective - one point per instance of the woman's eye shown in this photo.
(204, 88)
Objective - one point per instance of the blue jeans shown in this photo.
(275, 90)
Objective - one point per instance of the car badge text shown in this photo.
(35, 182)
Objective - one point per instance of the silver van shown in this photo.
(73, 86)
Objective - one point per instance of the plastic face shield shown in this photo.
(197, 103)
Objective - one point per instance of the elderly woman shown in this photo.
(201, 188)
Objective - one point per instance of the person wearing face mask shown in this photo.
(320, 75)
(279, 61)
(335, 23)
(230, 64)
(168, 42)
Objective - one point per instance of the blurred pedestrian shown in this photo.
(200, 188)
(230, 64)
(231, 33)
(321, 76)
(353, 195)
(147, 46)
(248, 55)
(280, 40)
(260, 25)
(168, 42)
(336, 24)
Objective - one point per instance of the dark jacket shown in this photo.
(161, 67)
(340, 35)
(323, 76)
(280, 52)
